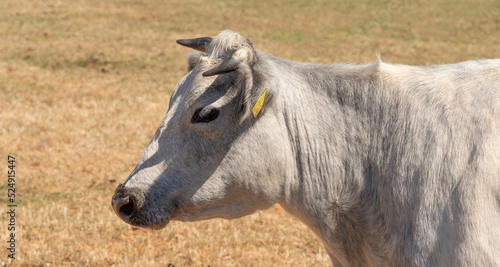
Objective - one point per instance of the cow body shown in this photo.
(387, 164)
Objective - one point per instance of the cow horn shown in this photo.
(228, 65)
(224, 67)
(200, 44)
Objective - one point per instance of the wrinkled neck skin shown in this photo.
(390, 165)
(326, 187)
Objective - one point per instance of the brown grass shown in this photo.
(84, 84)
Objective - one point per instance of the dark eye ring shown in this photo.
(205, 115)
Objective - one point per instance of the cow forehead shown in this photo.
(197, 88)
(190, 86)
(195, 91)
(224, 44)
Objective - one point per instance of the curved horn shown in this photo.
(224, 67)
(228, 65)
(200, 44)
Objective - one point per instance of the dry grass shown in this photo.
(84, 84)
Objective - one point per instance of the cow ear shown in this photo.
(255, 95)
(192, 59)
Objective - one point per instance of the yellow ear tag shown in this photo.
(258, 106)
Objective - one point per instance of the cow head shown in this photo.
(214, 154)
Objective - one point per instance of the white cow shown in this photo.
(390, 165)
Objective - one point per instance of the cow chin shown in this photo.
(211, 211)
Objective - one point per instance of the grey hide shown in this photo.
(389, 165)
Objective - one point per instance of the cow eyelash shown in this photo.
(205, 115)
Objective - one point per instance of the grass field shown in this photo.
(84, 85)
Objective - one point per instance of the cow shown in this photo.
(389, 165)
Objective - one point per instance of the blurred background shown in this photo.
(84, 85)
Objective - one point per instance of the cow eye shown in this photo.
(205, 115)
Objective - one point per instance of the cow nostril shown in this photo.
(124, 206)
(127, 209)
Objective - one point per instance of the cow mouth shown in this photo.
(158, 226)
(160, 222)
(153, 221)
(153, 224)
